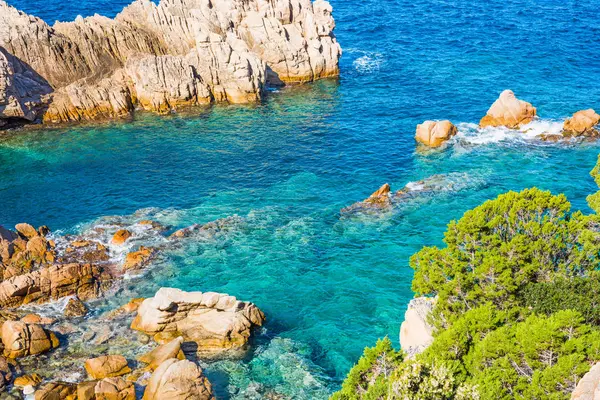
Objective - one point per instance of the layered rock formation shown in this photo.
(21, 339)
(160, 57)
(509, 111)
(213, 322)
(582, 123)
(416, 334)
(435, 133)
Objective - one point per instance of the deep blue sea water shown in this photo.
(329, 286)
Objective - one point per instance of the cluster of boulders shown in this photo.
(510, 112)
(38, 267)
(160, 57)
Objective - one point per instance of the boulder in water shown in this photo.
(162, 353)
(213, 322)
(435, 133)
(107, 366)
(509, 111)
(582, 123)
(121, 236)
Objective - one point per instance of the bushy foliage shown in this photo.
(516, 315)
(498, 248)
(381, 374)
(581, 294)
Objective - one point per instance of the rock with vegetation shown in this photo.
(213, 322)
(515, 317)
(582, 123)
(435, 133)
(508, 111)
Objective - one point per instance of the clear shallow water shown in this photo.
(329, 286)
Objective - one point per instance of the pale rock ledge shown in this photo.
(416, 334)
(159, 57)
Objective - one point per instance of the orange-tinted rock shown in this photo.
(380, 199)
(36, 319)
(57, 391)
(178, 380)
(121, 236)
(28, 380)
(435, 133)
(85, 390)
(582, 123)
(162, 353)
(509, 111)
(138, 259)
(75, 308)
(114, 388)
(26, 231)
(107, 366)
(21, 339)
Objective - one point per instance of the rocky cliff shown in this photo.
(160, 57)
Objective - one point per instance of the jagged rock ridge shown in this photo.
(160, 57)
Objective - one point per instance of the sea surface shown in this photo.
(329, 285)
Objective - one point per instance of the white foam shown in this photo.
(470, 133)
(369, 61)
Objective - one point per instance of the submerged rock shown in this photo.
(75, 308)
(582, 123)
(21, 339)
(380, 199)
(213, 322)
(137, 260)
(160, 57)
(178, 380)
(435, 133)
(416, 334)
(509, 111)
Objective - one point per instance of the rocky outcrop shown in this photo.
(582, 123)
(416, 334)
(107, 366)
(137, 260)
(21, 339)
(121, 236)
(178, 380)
(508, 111)
(435, 133)
(213, 322)
(33, 271)
(160, 57)
(588, 387)
(75, 308)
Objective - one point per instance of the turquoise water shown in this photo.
(330, 286)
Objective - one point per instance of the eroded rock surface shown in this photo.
(213, 322)
(508, 111)
(107, 366)
(588, 387)
(160, 57)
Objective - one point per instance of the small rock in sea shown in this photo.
(509, 111)
(75, 308)
(582, 123)
(380, 199)
(162, 353)
(121, 236)
(138, 259)
(435, 133)
(106, 366)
